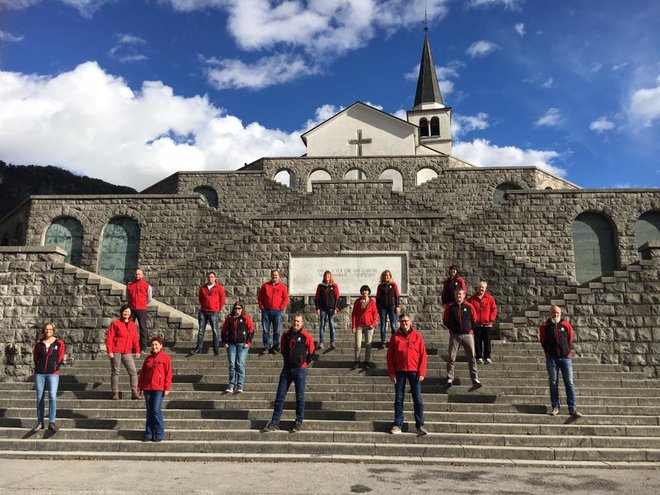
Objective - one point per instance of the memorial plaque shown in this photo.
(350, 270)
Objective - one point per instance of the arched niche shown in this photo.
(355, 174)
(425, 175)
(647, 227)
(594, 246)
(500, 191)
(67, 233)
(318, 174)
(120, 246)
(285, 177)
(208, 194)
(435, 126)
(395, 176)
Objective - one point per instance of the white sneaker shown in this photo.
(488, 361)
(480, 361)
(229, 390)
(395, 430)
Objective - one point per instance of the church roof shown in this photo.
(428, 89)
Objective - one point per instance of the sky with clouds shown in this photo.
(131, 91)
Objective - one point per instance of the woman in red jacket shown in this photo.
(120, 342)
(48, 355)
(155, 381)
(363, 322)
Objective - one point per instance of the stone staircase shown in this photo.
(349, 412)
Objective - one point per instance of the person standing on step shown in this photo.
(211, 297)
(48, 354)
(406, 361)
(451, 284)
(297, 347)
(120, 342)
(556, 337)
(138, 296)
(237, 333)
(363, 321)
(388, 303)
(273, 299)
(459, 318)
(155, 381)
(326, 301)
(486, 308)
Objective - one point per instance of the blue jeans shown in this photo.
(383, 313)
(271, 317)
(203, 317)
(298, 376)
(40, 381)
(155, 427)
(237, 355)
(555, 364)
(415, 390)
(329, 316)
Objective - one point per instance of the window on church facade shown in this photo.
(423, 127)
(209, 195)
(120, 243)
(500, 191)
(594, 246)
(435, 126)
(647, 227)
(66, 233)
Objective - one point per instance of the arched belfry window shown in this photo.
(66, 233)
(435, 126)
(498, 194)
(594, 246)
(647, 227)
(209, 195)
(423, 127)
(317, 175)
(120, 246)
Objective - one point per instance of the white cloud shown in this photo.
(276, 69)
(481, 48)
(17, 4)
(645, 105)
(86, 8)
(601, 125)
(551, 118)
(323, 113)
(91, 122)
(619, 66)
(520, 29)
(548, 83)
(125, 50)
(484, 154)
(462, 124)
(507, 4)
(7, 36)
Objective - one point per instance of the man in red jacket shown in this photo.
(273, 299)
(486, 309)
(459, 318)
(406, 360)
(138, 296)
(211, 300)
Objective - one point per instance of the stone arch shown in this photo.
(208, 194)
(120, 247)
(355, 174)
(501, 189)
(317, 174)
(594, 246)
(423, 127)
(424, 175)
(395, 176)
(647, 227)
(67, 233)
(285, 177)
(435, 126)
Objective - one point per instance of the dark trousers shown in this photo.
(482, 337)
(141, 316)
(298, 376)
(416, 391)
(155, 426)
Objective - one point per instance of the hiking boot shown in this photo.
(395, 430)
(575, 413)
(271, 427)
(554, 412)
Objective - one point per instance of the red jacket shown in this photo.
(367, 317)
(451, 285)
(137, 294)
(122, 338)
(556, 338)
(485, 308)
(327, 296)
(297, 348)
(406, 353)
(212, 300)
(237, 330)
(47, 362)
(273, 296)
(156, 373)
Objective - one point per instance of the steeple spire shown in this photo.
(428, 90)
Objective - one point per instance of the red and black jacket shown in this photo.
(556, 338)
(327, 297)
(237, 330)
(450, 286)
(48, 361)
(460, 318)
(297, 348)
(387, 295)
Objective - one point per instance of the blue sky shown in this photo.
(131, 91)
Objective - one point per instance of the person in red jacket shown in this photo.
(451, 284)
(486, 308)
(326, 301)
(297, 350)
(138, 296)
(155, 381)
(459, 318)
(363, 321)
(211, 297)
(388, 302)
(48, 354)
(406, 361)
(237, 333)
(273, 299)
(120, 342)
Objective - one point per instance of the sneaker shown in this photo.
(240, 391)
(450, 383)
(296, 427)
(271, 427)
(147, 439)
(53, 427)
(321, 346)
(195, 351)
(332, 346)
(554, 412)
(229, 390)
(480, 361)
(488, 361)
(38, 426)
(421, 431)
(575, 413)
(477, 384)
(395, 430)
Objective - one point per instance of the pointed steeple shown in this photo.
(428, 90)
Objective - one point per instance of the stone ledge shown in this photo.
(32, 250)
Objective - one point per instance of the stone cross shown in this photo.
(359, 141)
